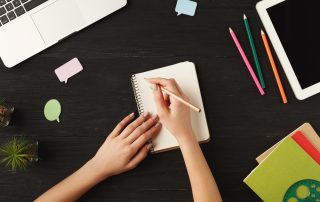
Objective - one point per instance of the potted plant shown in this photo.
(18, 153)
(6, 112)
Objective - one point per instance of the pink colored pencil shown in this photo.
(245, 59)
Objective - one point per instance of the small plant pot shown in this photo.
(6, 111)
(18, 153)
(33, 152)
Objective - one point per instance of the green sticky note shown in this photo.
(52, 110)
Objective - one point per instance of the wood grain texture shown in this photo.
(143, 36)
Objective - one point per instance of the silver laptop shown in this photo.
(30, 26)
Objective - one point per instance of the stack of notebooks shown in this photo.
(290, 170)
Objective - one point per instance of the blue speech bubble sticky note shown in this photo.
(186, 7)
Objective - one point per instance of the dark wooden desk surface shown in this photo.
(146, 35)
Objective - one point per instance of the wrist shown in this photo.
(187, 139)
(97, 174)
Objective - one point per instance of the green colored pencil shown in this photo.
(254, 52)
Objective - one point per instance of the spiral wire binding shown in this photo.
(138, 98)
(137, 94)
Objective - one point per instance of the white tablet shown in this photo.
(291, 26)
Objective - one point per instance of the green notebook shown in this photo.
(288, 167)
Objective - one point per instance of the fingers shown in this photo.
(160, 81)
(135, 124)
(169, 84)
(122, 125)
(166, 99)
(147, 136)
(142, 129)
(142, 154)
(161, 105)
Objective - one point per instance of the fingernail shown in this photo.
(157, 125)
(150, 146)
(145, 114)
(132, 114)
(155, 117)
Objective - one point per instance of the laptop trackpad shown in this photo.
(58, 20)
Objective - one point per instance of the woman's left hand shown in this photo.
(127, 145)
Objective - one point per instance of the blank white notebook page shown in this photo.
(186, 76)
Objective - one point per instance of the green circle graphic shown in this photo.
(303, 191)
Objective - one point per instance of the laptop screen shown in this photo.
(296, 23)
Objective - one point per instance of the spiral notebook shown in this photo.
(186, 76)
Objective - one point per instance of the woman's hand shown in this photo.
(174, 115)
(123, 150)
(126, 146)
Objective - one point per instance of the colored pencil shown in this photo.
(254, 51)
(246, 61)
(274, 67)
(181, 100)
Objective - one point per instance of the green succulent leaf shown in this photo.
(16, 154)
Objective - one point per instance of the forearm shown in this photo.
(125, 147)
(204, 187)
(73, 187)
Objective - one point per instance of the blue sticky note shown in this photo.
(186, 7)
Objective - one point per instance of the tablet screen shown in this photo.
(296, 22)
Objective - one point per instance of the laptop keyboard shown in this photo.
(11, 9)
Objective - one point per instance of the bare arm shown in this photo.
(176, 118)
(73, 187)
(122, 151)
(204, 187)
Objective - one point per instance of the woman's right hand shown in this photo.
(174, 115)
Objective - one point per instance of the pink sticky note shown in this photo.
(68, 70)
